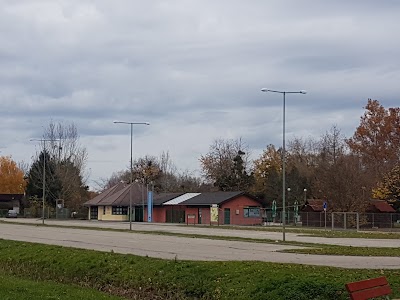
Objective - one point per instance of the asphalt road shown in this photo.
(182, 248)
(204, 230)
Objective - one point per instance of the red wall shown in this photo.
(237, 213)
(236, 206)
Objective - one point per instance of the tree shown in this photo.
(226, 165)
(53, 184)
(68, 157)
(377, 138)
(267, 171)
(11, 177)
(389, 188)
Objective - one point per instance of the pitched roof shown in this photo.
(381, 206)
(315, 204)
(119, 195)
(122, 197)
(98, 199)
(159, 199)
(181, 199)
(10, 197)
(212, 198)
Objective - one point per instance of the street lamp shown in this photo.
(131, 180)
(44, 169)
(283, 151)
(305, 196)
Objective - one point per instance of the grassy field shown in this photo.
(135, 277)
(12, 288)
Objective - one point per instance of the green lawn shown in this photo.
(138, 277)
(14, 288)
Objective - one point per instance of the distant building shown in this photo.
(11, 201)
(237, 208)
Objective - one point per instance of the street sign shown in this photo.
(325, 206)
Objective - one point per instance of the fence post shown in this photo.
(358, 222)
(345, 221)
(391, 221)
(333, 217)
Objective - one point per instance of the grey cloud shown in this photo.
(193, 69)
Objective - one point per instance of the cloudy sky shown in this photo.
(193, 69)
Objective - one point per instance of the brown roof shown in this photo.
(10, 197)
(315, 204)
(98, 199)
(381, 206)
(119, 195)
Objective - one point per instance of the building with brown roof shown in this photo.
(195, 208)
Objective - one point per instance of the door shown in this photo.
(227, 216)
(94, 211)
(138, 214)
(199, 217)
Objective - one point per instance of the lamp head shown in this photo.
(303, 92)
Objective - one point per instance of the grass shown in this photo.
(12, 288)
(345, 250)
(137, 277)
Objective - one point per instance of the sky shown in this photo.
(193, 69)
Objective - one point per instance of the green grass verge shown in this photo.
(12, 288)
(345, 250)
(137, 277)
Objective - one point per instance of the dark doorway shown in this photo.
(139, 214)
(175, 215)
(227, 216)
(94, 212)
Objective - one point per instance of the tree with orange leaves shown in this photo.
(11, 177)
(377, 138)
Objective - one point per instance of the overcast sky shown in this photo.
(193, 69)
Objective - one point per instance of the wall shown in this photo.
(237, 206)
(108, 216)
(159, 214)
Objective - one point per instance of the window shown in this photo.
(104, 210)
(120, 210)
(251, 212)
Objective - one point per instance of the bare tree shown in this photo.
(69, 157)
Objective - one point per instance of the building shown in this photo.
(11, 201)
(237, 208)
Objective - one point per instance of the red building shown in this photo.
(236, 208)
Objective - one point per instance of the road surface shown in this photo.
(183, 248)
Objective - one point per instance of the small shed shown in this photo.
(10, 201)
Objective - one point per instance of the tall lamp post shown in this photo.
(44, 170)
(131, 163)
(283, 153)
(305, 196)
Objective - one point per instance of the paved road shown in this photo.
(204, 230)
(171, 247)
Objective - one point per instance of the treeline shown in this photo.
(346, 172)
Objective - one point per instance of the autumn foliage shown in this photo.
(11, 177)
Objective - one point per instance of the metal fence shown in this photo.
(351, 220)
(55, 213)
